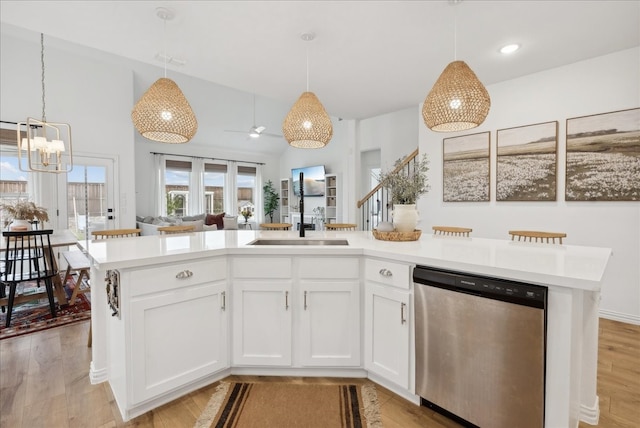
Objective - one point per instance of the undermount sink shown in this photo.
(302, 241)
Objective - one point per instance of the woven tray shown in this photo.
(397, 236)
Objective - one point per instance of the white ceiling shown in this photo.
(369, 57)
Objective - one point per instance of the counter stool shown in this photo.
(451, 231)
(275, 226)
(340, 226)
(537, 236)
(115, 233)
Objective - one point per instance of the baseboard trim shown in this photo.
(97, 376)
(619, 316)
(590, 414)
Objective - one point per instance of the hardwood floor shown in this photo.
(44, 382)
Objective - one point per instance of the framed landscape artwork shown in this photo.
(527, 163)
(603, 157)
(466, 168)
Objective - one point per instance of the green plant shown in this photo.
(172, 204)
(21, 209)
(271, 199)
(407, 183)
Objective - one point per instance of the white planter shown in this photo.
(405, 217)
(20, 225)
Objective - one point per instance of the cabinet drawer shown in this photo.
(388, 273)
(329, 268)
(177, 275)
(261, 267)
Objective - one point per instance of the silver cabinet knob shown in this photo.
(386, 272)
(184, 274)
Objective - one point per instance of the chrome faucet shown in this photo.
(301, 205)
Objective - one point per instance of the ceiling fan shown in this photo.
(256, 131)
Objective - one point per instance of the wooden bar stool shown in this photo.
(170, 230)
(537, 236)
(275, 226)
(451, 231)
(340, 226)
(115, 233)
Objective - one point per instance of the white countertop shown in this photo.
(544, 264)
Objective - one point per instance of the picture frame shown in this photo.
(527, 162)
(466, 168)
(603, 157)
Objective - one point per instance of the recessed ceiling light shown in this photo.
(509, 49)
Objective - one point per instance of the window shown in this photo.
(176, 179)
(246, 188)
(214, 183)
(14, 184)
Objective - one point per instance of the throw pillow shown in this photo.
(215, 219)
(193, 217)
(198, 224)
(230, 223)
(209, 227)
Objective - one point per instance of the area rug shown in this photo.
(32, 316)
(286, 405)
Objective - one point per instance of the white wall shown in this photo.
(94, 97)
(599, 85)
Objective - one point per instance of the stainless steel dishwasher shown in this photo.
(480, 348)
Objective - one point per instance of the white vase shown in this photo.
(405, 217)
(20, 225)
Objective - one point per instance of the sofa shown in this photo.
(149, 225)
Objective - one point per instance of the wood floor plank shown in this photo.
(47, 412)
(55, 364)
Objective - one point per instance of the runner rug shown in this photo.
(286, 405)
(34, 315)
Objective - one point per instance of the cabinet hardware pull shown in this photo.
(184, 274)
(305, 300)
(224, 300)
(386, 272)
(286, 300)
(403, 320)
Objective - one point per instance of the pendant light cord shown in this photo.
(44, 117)
(455, 31)
(307, 67)
(164, 45)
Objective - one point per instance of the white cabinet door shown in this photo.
(386, 339)
(329, 333)
(177, 337)
(262, 322)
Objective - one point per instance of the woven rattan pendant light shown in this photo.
(307, 125)
(458, 100)
(163, 113)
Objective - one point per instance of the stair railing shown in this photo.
(376, 207)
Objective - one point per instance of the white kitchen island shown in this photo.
(197, 307)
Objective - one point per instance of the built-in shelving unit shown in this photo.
(284, 200)
(331, 198)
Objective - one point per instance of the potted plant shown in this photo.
(271, 199)
(20, 213)
(246, 213)
(405, 186)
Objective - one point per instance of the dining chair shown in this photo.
(340, 226)
(115, 233)
(170, 230)
(537, 236)
(28, 258)
(275, 226)
(451, 231)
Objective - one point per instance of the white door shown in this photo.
(86, 198)
(387, 333)
(329, 332)
(262, 323)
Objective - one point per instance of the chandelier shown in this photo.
(47, 144)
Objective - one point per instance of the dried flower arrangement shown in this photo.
(21, 209)
(406, 187)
